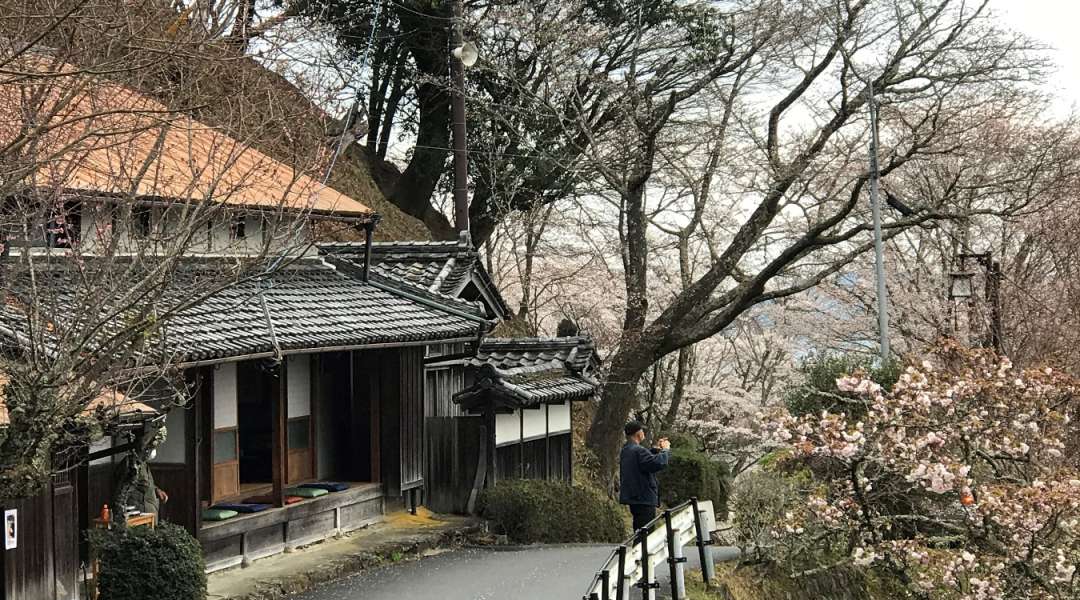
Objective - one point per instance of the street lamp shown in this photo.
(961, 287)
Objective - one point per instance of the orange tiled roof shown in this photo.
(109, 399)
(103, 136)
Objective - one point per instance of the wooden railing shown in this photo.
(630, 570)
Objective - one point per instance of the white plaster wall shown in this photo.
(103, 444)
(559, 418)
(535, 422)
(172, 451)
(298, 379)
(507, 428)
(225, 395)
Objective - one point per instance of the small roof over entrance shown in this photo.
(528, 372)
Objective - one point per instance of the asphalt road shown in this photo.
(536, 573)
(547, 573)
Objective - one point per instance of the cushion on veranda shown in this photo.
(217, 514)
(306, 492)
(243, 507)
(266, 499)
(330, 486)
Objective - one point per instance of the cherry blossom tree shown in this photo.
(958, 481)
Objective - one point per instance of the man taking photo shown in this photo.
(638, 467)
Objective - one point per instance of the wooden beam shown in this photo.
(521, 443)
(279, 410)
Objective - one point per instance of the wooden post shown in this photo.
(279, 409)
(489, 423)
(521, 442)
(547, 442)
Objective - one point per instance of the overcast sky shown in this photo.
(1053, 22)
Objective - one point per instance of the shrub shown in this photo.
(536, 511)
(759, 500)
(819, 392)
(692, 473)
(164, 563)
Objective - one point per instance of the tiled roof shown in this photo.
(306, 306)
(108, 139)
(112, 402)
(440, 267)
(517, 355)
(530, 371)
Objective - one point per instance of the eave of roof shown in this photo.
(308, 306)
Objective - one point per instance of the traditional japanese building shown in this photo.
(303, 412)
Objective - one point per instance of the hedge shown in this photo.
(163, 563)
(536, 511)
(692, 473)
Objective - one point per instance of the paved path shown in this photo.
(548, 573)
(540, 573)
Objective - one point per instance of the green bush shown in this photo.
(536, 511)
(691, 473)
(163, 563)
(818, 391)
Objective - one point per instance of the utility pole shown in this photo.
(879, 251)
(461, 156)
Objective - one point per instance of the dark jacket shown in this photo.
(637, 474)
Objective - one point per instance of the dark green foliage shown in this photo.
(535, 511)
(164, 563)
(691, 473)
(818, 392)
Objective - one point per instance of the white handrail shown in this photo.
(685, 528)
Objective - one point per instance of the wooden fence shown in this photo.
(456, 452)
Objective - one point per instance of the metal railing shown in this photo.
(633, 563)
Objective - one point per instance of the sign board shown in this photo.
(11, 532)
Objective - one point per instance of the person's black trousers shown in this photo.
(642, 513)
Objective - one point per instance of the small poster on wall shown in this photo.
(11, 533)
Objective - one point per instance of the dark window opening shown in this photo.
(142, 221)
(238, 227)
(299, 433)
(62, 230)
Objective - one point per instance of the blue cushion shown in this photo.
(330, 486)
(243, 507)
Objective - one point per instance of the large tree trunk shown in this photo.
(412, 191)
(682, 375)
(619, 398)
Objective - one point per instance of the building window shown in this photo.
(300, 433)
(238, 226)
(225, 446)
(62, 230)
(141, 217)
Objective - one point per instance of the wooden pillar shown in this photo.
(489, 423)
(279, 409)
(314, 400)
(547, 442)
(521, 442)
